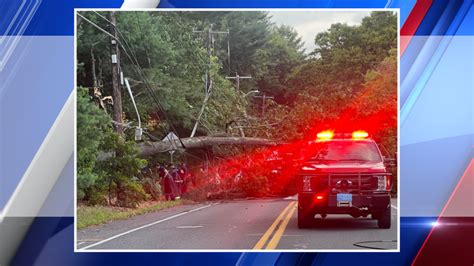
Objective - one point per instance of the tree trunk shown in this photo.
(150, 148)
(110, 192)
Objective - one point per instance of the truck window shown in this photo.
(363, 151)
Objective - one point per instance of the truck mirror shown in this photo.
(391, 162)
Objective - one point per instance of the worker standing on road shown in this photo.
(177, 182)
(167, 182)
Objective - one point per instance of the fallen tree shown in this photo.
(149, 148)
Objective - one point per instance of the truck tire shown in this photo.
(384, 219)
(304, 220)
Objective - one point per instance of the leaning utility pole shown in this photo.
(264, 97)
(237, 78)
(116, 92)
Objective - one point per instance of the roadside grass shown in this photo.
(95, 215)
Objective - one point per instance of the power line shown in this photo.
(133, 59)
(152, 94)
(149, 89)
(98, 27)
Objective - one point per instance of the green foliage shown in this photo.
(378, 102)
(120, 170)
(325, 86)
(91, 123)
(343, 56)
(282, 53)
(151, 187)
(95, 177)
(133, 195)
(248, 33)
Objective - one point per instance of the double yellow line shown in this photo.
(276, 229)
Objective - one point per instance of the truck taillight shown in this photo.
(383, 183)
(307, 183)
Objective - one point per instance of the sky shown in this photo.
(310, 23)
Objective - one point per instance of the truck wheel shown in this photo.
(385, 219)
(304, 220)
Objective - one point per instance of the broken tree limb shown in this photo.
(150, 148)
(153, 147)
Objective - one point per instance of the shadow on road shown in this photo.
(341, 224)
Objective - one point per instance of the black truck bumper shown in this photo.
(360, 204)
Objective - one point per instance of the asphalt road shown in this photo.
(237, 225)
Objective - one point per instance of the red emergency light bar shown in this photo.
(359, 134)
(325, 135)
(328, 135)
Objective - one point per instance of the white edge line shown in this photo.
(394, 207)
(393, 9)
(148, 225)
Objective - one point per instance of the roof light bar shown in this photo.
(359, 135)
(325, 135)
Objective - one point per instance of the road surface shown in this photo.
(237, 225)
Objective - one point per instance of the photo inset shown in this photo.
(237, 130)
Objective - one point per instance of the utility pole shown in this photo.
(207, 78)
(210, 48)
(116, 91)
(264, 97)
(94, 76)
(238, 78)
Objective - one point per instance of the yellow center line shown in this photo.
(281, 229)
(272, 227)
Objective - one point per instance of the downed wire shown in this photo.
(360, 244)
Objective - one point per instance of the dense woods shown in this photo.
(348, 82)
